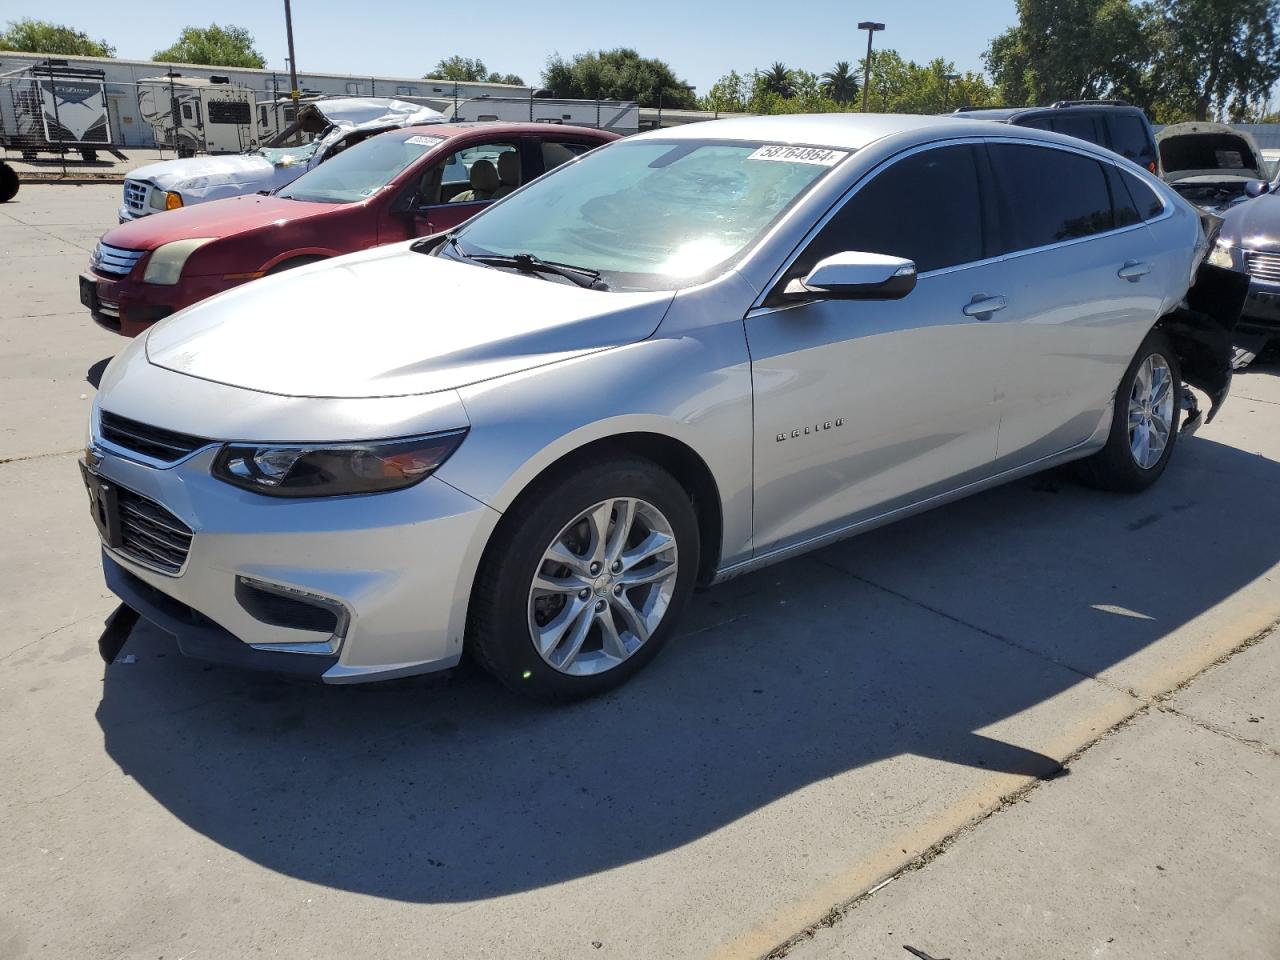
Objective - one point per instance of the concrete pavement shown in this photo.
(817, 728)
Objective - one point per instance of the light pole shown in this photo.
(293, 63)
(871, 27)
(946, 87)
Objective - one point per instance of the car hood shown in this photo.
(1254, 224)
(220, 218)
(198, 178)
(1204, 152)
(392, 322)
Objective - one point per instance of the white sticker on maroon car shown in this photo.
(821, 156)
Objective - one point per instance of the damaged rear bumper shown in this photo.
(1202, 329)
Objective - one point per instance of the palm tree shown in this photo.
(839, 83)
(778, 80)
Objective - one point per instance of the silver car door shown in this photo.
(862, 407)
(1079, 268)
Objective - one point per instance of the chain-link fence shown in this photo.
(72, 120)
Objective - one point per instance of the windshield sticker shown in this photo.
(819, 156)
(424, 141)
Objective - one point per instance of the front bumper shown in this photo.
(128, 306)
(125, 214)
(398, 566)
(1261, 313)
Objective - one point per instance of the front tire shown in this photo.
(584, 580)
(1144, 424)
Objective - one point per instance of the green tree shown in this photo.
(41, 36)
(729, 94)
(839, 83)
(465, 70)
(1218, 57)
(904, 86)
(1076, 50)
(778, 79)
(620, 74)
(459, 68)
(213, 45)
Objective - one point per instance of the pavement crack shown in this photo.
(1258, 745)
(841, 910)
(38, 456)
(46, 636)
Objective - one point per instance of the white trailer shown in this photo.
(56, 108)
(619, 116)
(196, 115)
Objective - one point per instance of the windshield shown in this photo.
(360, 171)
(651, 214)
(288, 156)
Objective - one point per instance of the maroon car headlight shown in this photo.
(334, 469)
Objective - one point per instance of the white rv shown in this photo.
(195, 115)
(53, 107)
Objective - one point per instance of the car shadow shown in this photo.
(93, 376)
(442, 791)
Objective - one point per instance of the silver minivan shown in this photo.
(672, 360)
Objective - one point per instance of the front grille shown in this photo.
(167, 446)
(1264, 266)
(114, 261)
(151, 534)
(135, 196)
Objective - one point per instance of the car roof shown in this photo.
(851, 131)
(1008, 114)
(501, 128)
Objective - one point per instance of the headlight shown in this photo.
(166, 199)
(330, 470)
(165, 264)
(1220, 256)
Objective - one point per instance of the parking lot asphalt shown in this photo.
(1049, 716)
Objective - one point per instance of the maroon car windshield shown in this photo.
(360, 171)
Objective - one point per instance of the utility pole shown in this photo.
(871, 27)
(293, 63)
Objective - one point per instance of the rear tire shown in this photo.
(1144, 423)
(8, 183)
(591, 631)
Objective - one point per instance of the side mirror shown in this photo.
(1256, 188)
(854, 275)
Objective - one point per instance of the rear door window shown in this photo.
(556, 152)
(1145, 200)
(1048, 195)
(926, 207)
(1083, 126)
(1130, 138)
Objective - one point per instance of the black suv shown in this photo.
(1113, 124)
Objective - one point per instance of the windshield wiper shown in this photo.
(528, 263)
(524, 262)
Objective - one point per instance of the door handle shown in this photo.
(1133, 270)
(983, 306)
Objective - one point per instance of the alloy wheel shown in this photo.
(1151, 411)
(603, 586)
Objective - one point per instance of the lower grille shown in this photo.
(150, 534)
(167, 446)
(107, 308)
(1264, 266)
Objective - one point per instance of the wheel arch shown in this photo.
(671, 454)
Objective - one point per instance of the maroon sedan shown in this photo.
(395, 186)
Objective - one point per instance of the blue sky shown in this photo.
(702, 39)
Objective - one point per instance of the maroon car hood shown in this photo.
(217, 218)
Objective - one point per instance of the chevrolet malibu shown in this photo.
(673, 361)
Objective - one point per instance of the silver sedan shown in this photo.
(673, 360)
